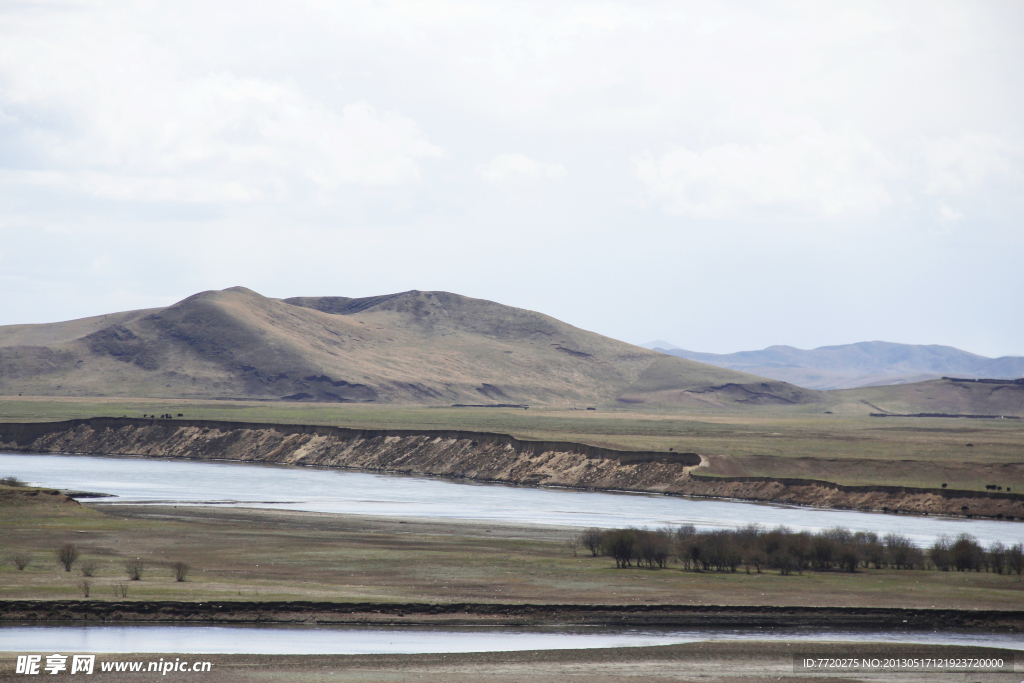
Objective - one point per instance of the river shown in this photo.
(181, 482)
(298, 640)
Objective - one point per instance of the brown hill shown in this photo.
(935, 397)
(413, 347)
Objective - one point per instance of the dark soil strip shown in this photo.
(481, 614)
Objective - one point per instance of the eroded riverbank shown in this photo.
(479, 456)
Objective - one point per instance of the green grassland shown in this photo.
(845, 446)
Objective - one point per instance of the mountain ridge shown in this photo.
(863, 364)
(435, 348)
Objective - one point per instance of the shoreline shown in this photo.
(484, 457)
(99, 500)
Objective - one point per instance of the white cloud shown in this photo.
(804, 171)
(247, 124)
(948, 214)
(125, 121)
(956, 164)
(515, 169)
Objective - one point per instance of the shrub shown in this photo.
(88, 568)
(85, 586)
(720, 551)
(902, 552)
(794, 553)
(756, 557)
(941, 554)
(688, 548)
(181, 570)
(120, 590)
(573, 543)
(823, 551)
(784, 562)
(620, 545)
(967, 554)
(788, 551)
(67, 555)
(21, 560)
(12, 481)
(872, 551)
(1015, 558)
(591, 539)
(653, 548)
(134, 569)
(847, 558)
(996, 557)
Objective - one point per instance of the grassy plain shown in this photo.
(846, 446)
(272, 555)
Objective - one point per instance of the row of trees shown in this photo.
(68, 555)
(757, 548)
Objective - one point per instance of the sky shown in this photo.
(723, 176)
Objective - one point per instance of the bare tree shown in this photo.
(120, 590)
(792, 552)
(87, 567)
(968, 555)
(181, 570)
(1015, 558)
(902, 552)
(67, 555)
(941, 553)
(653, 548)
(134, 569)
(21, 560)
(621, 545)
(85, 586)
(573, 543)
(997, 557)
(591, 539)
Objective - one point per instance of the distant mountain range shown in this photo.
(850, 366)
(434, 348)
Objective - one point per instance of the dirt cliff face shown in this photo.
(461, 455)
(479, 456)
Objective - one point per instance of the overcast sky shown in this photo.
(724, 176)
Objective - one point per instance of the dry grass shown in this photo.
(272, 555)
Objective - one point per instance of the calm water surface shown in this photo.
(342, 640)
(148, 480)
